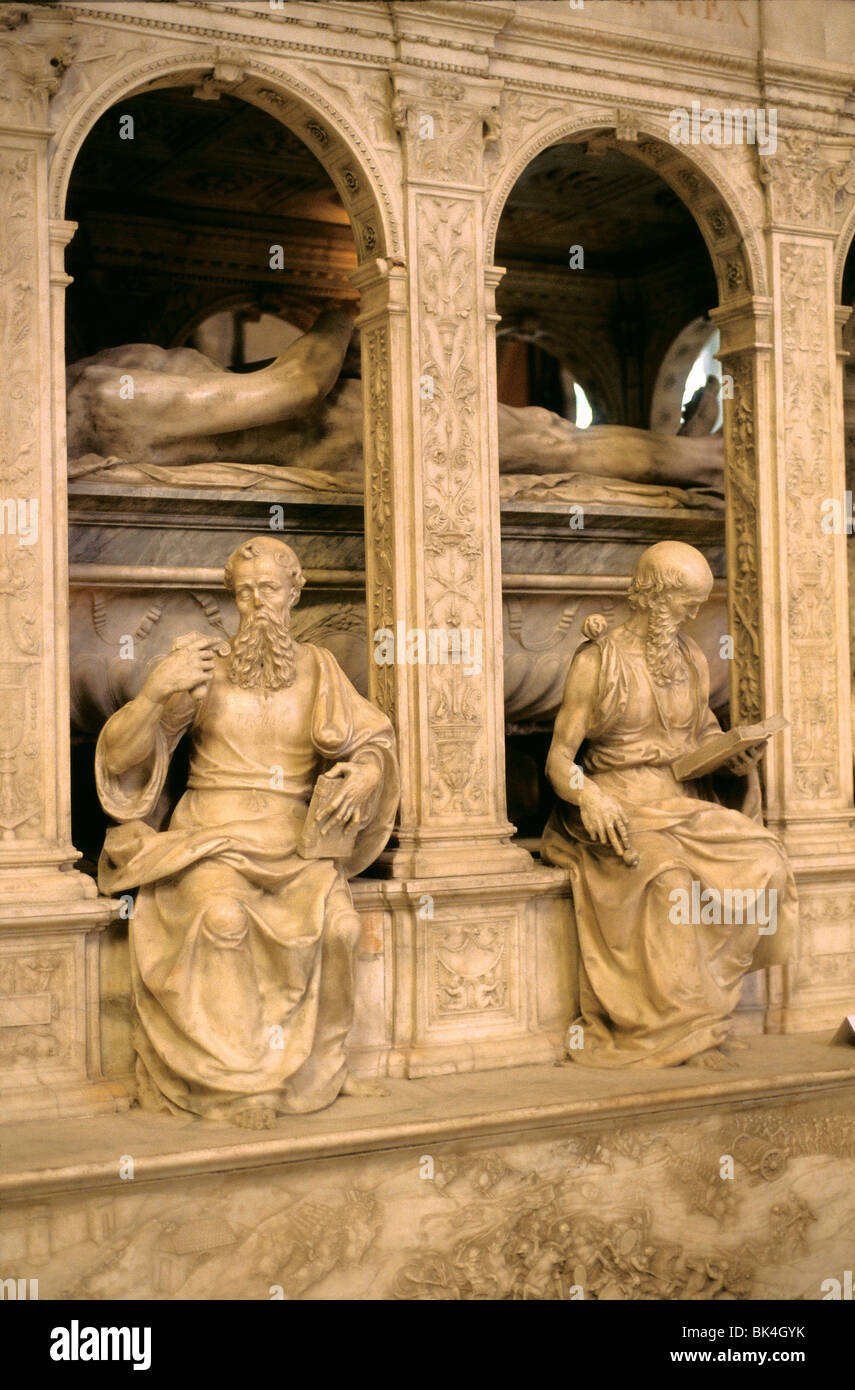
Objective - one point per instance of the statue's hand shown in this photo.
(184, 669)
(359, 783)
(741, 763)
(603, 818)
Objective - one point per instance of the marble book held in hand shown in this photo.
(716, 751)
(323, 838)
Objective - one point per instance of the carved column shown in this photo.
(477, 956)
(49, 913)
(787, 580)
(446, 496)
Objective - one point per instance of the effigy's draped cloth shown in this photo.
(241, 951)
(654, 992)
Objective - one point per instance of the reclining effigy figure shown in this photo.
(154, 409)
(676, 896)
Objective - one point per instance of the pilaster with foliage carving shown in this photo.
(49, 915)
(445, 124)
(34, 54)
(743, 543)
(814, 632)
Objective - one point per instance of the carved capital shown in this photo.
(807, 183)
(445, 123)
(35, 53)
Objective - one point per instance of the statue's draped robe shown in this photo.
(241, 951)
(653, 992)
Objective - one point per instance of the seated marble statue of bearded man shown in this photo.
(655, 989)
(242, 952)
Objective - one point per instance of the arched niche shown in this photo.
(154, 617)
(343, 150)
(730, 237)
(540, 644)
(184, 204)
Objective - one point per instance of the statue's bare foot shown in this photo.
(713, 1060)
(354, 1087)
(255, 1117)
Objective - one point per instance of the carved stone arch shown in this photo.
(844, 247)
(336, 143)
(697, 180)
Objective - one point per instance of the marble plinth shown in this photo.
(539, 1182)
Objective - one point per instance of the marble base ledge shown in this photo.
(528, 1183)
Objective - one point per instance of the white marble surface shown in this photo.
(529, 1183)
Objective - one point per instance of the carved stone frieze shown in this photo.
(537, 1232)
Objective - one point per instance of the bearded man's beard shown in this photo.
(262, 654)
(665, 660)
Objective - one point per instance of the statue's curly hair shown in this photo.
(652, 583)
(266, 545)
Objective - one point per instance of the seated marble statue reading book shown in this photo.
(676, 896)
